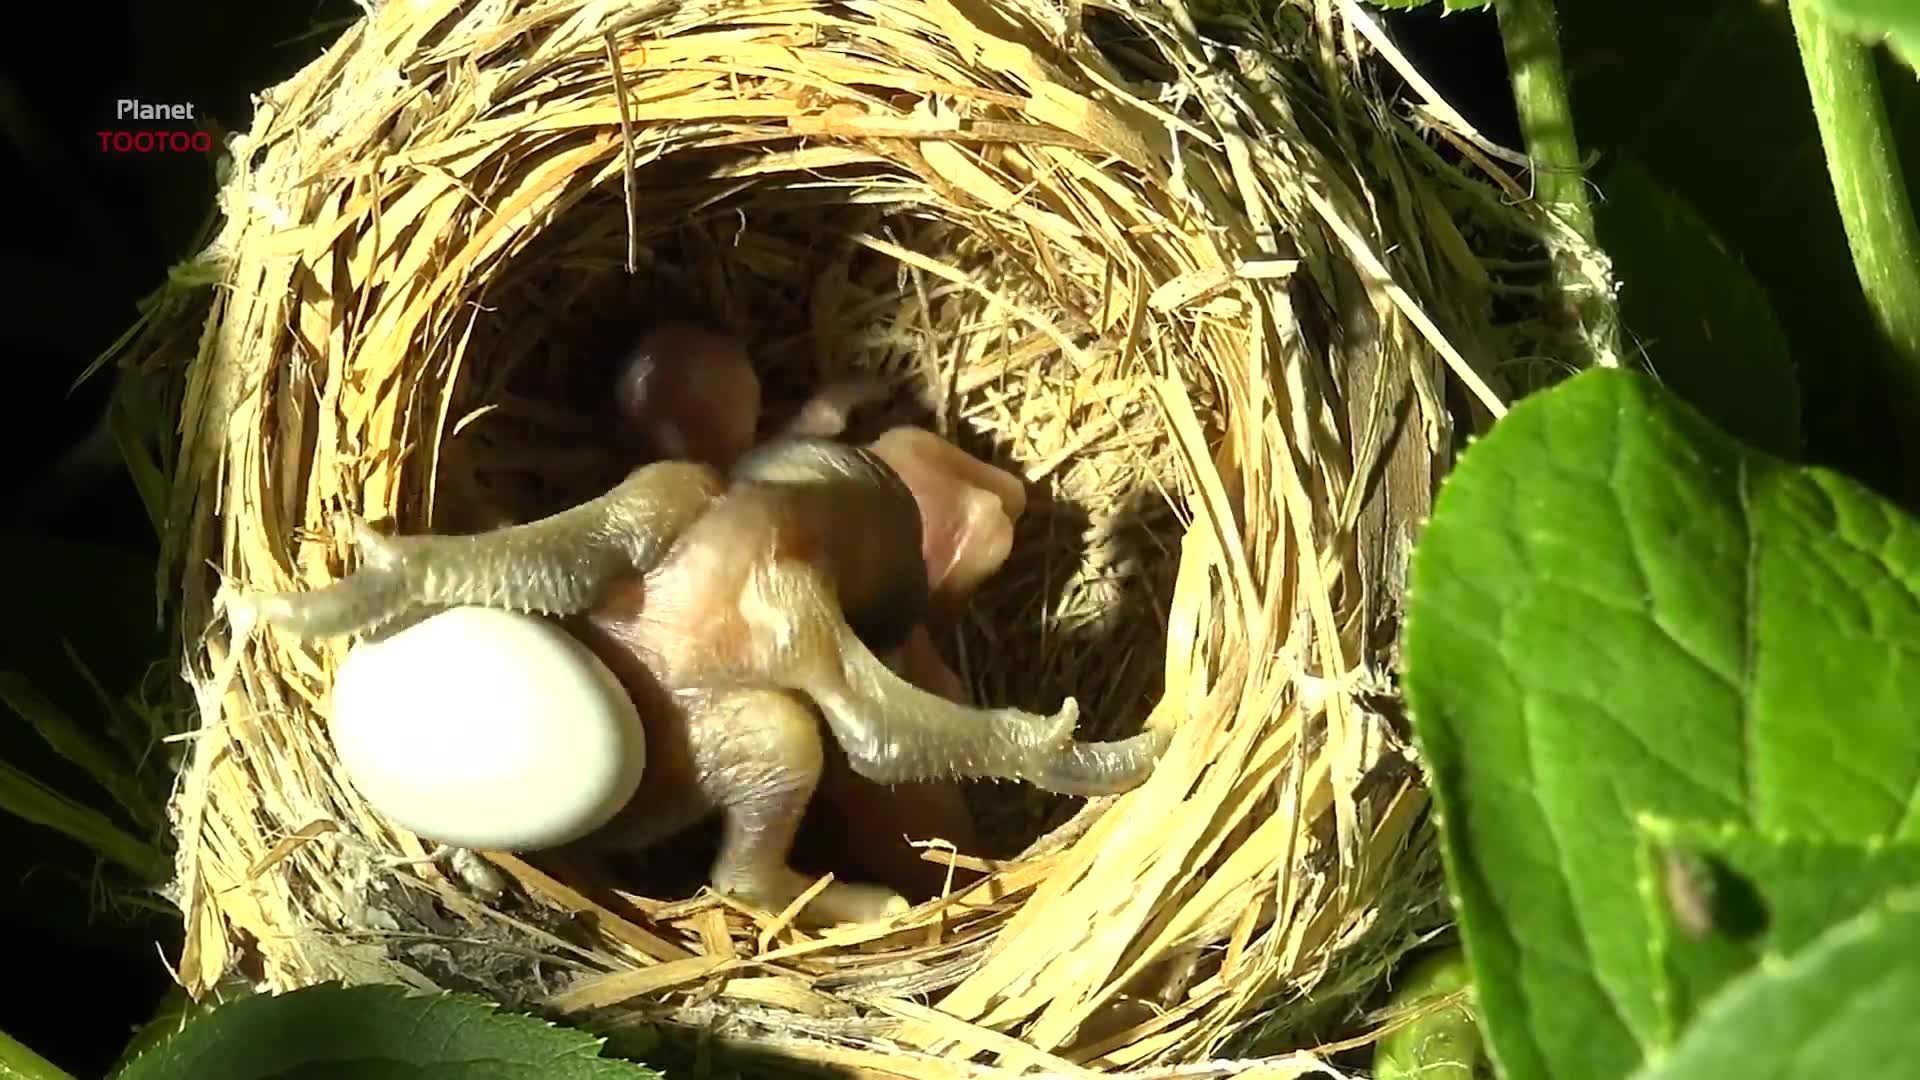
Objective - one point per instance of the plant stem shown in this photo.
(1871, 191)
(1531, 36)
(19, 1063)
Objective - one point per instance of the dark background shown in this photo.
(90, 234)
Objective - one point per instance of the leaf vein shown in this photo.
(1750, 639)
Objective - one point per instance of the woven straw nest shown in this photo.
(1225, 311)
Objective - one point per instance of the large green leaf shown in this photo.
(1726, 898)
(1843, 1007)
(1619, 610)
(374, 1032)
(1706, 326)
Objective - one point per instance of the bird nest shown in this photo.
(1223, 309)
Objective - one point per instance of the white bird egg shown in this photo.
(487, 729)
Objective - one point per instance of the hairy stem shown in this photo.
(1871, 192)
(1531, 36)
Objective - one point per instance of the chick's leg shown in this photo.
(878, 830)
(558, 565)
(757, 755)
(892, 730)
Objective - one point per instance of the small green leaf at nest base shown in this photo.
(375, 1033)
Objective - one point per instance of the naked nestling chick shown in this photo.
(680, 381)
(688, 393)
(729, 599)
(716, 592)
(754, 753)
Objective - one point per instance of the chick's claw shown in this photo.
(1099, 768)
(1024, 733)
(370, 597)
(838, 902)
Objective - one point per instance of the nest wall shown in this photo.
(1219, 305)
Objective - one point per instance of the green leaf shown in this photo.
(67, 737)
(1618, 610)
(138, 424)
(175, 1010)
(1442, 1044)
(1897, 22)
(26, 798)
(1726, 898)
(1708, 330)
(81, 628)
(375, 1032)
(1844, 1006)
